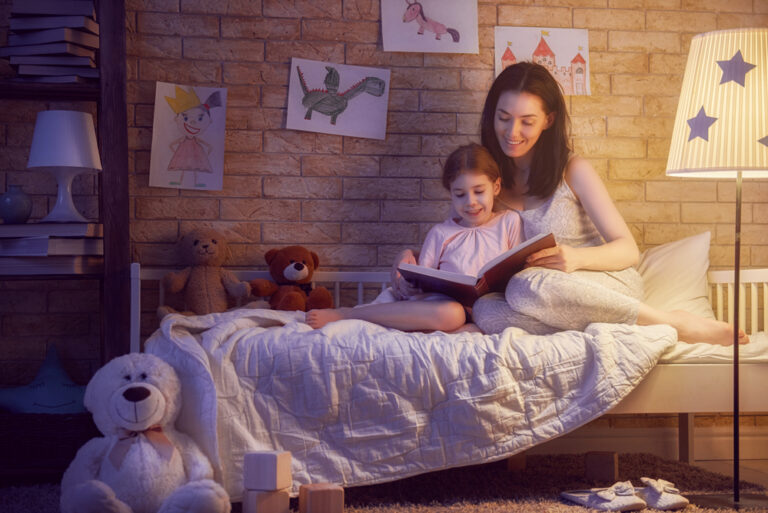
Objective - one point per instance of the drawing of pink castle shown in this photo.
(508, 58)
(573, 78)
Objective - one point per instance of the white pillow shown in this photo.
(675, 275)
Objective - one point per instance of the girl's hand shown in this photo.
(402, 288)
(561, 257)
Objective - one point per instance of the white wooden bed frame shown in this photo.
(670, 388)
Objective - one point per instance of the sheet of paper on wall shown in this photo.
(338, 99)
(188, 137)
(434, 26)
(564, 52)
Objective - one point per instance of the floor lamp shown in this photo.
(721, 131)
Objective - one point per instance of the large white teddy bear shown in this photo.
(141, 464)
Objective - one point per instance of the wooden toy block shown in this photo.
(267, 470)
(516, 462)
(602, 466)
(321, 498)
(259, 501)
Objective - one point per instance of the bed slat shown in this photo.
(753, 297)
(753, 315)
(331, 279)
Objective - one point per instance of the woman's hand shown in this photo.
(402, 288)
(561, 257)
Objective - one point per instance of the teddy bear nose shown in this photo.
(298, 266)
(136, 394)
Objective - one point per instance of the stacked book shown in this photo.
(45, 248)
(53, 40)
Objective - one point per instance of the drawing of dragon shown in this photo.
(415, 11)
(329, 101)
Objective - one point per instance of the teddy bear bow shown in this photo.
(154, 435)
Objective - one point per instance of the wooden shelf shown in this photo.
(14, 90)
(109, 93)
(52, 266)
(52, 230)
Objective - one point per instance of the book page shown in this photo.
(512, 251)
(409, 270)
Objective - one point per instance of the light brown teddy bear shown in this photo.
(292, 268)
(207, 286)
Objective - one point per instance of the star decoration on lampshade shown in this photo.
(735, 69)
(763, 141)
(700, 125)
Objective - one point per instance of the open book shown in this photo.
(492, 277)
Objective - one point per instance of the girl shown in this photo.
(462, 244)
(589, 276)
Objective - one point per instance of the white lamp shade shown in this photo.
(64, 138)
(721, 126)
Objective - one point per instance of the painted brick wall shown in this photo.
(357, 202)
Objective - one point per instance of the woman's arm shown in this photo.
(619, 251)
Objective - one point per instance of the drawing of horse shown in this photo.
(415, 11)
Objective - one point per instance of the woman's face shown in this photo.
(519, 121)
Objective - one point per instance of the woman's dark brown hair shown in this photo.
(552, 150)
(469, 158)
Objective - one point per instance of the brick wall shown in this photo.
(357, 202)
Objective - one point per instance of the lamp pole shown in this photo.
(736, 298)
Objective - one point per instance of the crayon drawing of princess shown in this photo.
(188, 149)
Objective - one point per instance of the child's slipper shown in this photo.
(661, 494)
(619, 497)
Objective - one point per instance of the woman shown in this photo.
(589, 276)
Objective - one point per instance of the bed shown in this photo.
(359, 404)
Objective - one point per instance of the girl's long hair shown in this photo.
(552, 150)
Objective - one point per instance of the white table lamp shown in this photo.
(721, 131)
(64, 144)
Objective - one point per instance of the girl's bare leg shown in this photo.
(401, 315)
(691, 327)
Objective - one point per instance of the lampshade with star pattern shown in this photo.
(721, 125)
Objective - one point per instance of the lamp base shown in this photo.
(64, 210)
(725, 500)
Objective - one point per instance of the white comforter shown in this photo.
(359, 404)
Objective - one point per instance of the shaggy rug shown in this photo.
(486, 488)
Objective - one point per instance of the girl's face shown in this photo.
(193, 121)
(519, 121)
(472, 194)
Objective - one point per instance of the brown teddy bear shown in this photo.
(207, 286)
(291, 269)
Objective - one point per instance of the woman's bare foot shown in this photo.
(692, 328)
(319, 318)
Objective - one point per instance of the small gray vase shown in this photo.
(15, 205)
